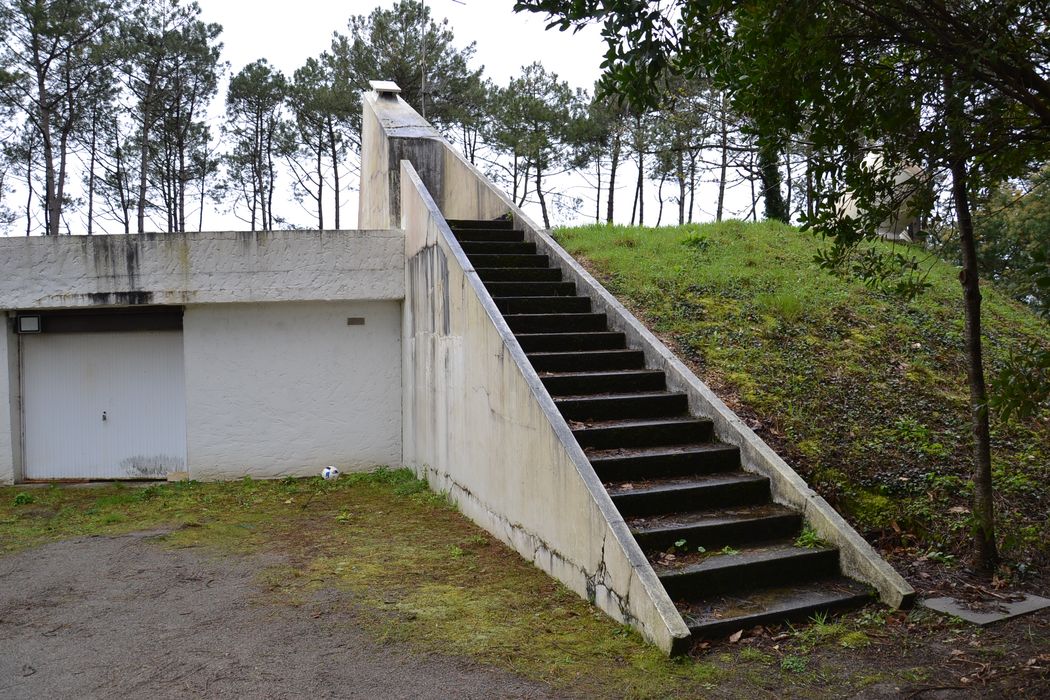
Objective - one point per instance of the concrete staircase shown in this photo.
(727, 555)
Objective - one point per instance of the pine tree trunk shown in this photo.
(539, 193)
(333, 144)
(722, 175)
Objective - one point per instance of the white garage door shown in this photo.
(103, 405)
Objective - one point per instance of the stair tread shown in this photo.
(669, 522)
(659, 451)
(581, 353)
(615, 395)
(635, 422)
(671, 484)
(722, 614)
(601, 372)
(556, 313)
(690, 564)
(539, 298)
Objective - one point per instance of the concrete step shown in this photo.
(508, 260)
(693, 574)
(517, 274)
(460, 224)
(587, 361)
(555, 323)
(641, 432)
(485, 234)
(560, 342)
(498, 247)
(531, 289)
(632, 405)
(718, 616)
(655, 462)
(716, 528)
(542, 305)
(576, 383)
(685, 493)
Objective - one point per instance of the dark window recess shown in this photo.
(355, 321)
(152, 318)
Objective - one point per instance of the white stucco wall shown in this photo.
(9, 424)
(288, 388)
(42, 272)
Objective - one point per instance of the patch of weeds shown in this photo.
(915, 675)
(873, 617)
(809, 539)
(783, 306)
(752, 654)
(23, 499)
(793, 664)
(729, 551)
(624, 242)
(940, 557)
(854, 640)
(696, 241)
(456, 551)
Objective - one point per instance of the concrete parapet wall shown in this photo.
(480, 426)
(391, 132)
(193, 268)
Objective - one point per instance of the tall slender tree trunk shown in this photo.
(91, 174)
(681, 188)
(539, 194)
(60, 185)
(333, 144)
(986, 554)
(724, 168)
(641, 186)
(320, 178)
(692, 185)
(809, 189)
(660, 199)
(29, 184)
(598, 196)
(615, 163)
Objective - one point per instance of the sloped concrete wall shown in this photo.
(480, 426)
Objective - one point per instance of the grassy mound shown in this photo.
(863, 393)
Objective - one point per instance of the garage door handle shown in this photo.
(103, 416)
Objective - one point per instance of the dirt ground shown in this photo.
(123, 617)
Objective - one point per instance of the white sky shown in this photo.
(287, 32)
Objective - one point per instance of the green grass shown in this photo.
(418, 573)
(865, 394)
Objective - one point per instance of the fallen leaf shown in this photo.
(735, 637)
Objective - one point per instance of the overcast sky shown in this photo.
(288, 32)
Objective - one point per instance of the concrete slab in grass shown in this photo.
(996, 612)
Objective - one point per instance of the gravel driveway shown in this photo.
(105, 617)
